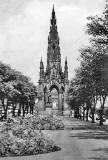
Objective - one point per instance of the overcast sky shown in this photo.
(24, 28)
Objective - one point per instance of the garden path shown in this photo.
(79, 141)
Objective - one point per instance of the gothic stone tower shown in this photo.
(53, 82)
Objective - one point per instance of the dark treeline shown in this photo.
(90, 84)
(16, 91)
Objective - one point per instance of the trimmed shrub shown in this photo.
(20, 136)
(19, 142)
(48, 122)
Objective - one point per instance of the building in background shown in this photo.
(53, 81)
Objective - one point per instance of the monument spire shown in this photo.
(41, 71)
(53, 7)
(53, 18)
(66, 71)
(53, 79)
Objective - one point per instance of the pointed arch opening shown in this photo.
(54, 90)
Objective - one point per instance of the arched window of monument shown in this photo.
(53, 46)
(54, 98)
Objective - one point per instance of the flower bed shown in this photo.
(40, 122)
(22, 136)
(21, 141)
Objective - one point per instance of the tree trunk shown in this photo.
(93, 112)
(27, 108)
(102, 112)
(31, 109)
(88, 106)
(87, 114)
(3, 106)
(6, 110)
(19, 110)
(101, 118)
(23, 108)
(75, 113)
(83, 113)
(78, 112)
(14, 107)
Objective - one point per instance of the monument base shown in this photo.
(48, 110)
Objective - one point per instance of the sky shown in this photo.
(24, 29)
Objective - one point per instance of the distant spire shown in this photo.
(41, 64)
(66, 60)
(41, 58)
(66, 71)
(66, 66)
(53, 19)
(53, 7)
(53, 12)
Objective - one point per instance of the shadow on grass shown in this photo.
(98, 158)
(97, 134)
(83, 127)
(103, 150)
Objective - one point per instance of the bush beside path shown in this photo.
(22, 136)
(77, 144)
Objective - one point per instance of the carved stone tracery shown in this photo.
(53, 77)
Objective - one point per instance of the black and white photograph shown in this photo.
(53, 79)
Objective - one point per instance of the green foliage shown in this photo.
(20, 137)
(38, 123)
(91, 80)
(15, 88)
(29, 143)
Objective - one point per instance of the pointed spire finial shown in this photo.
(66, 60)
(53, 7)
(53, 11)
(41, 58)
(41, 63)
(53, 18)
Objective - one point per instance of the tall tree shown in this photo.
(97, 28)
